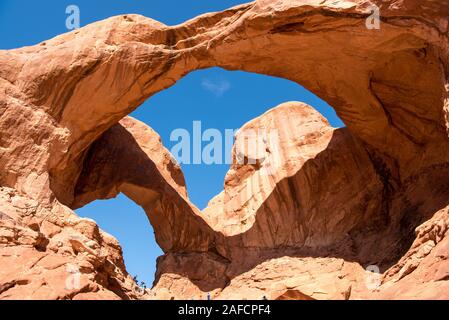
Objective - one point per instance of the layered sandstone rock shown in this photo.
(302, 217)
(130, 158)
(308, 212)
(50, 253)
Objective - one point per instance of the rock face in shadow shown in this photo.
(304, 215)
(131, 159)
(309, 211)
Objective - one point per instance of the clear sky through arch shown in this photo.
(219, 99)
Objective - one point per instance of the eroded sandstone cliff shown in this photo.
(334, 202)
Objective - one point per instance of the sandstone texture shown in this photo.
(305, 215)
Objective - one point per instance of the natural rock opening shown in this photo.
(220, 101)
(107, 169)
(389, 87)
(127, 222)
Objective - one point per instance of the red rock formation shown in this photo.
(50, 253)
(341, 199)
(130, 158)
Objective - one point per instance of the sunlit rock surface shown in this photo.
(316, 209)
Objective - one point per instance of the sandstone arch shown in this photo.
(136, 57)
(130, 158)
(62, 98)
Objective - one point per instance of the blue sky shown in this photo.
(219, 99)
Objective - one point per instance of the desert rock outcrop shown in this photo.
(336, 201)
